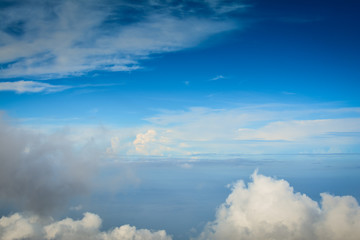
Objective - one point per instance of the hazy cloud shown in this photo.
(62, 38)
(268, 208)
(31, 227)
(39, 172)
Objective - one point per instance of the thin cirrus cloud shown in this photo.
(67, 38)
(22, 86)
(31, 87)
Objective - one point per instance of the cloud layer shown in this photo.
(20, 226)
(61, 38)
(268, 208)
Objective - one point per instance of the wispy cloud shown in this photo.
(31, 87)
(218, 77)
(74, 37)
(41, 87)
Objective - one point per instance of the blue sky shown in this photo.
(122, 63)
(153, 86)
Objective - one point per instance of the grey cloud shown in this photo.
(270, 209)
(50, 39)
(39, 172)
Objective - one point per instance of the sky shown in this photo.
(126, 119)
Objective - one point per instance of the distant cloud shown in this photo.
(270, 209)
(31, 87)
(152, 143)
(300, 129)
(144, 138)
(31, 227)
(70, 38)
(268, 128)
(218, 77)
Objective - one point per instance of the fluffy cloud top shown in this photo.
(270, 209)
(19, 226)
(53, 38)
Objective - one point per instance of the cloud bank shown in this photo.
(20, 226)
(50, 39)
(268, 208)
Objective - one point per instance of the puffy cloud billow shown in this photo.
(268, 208)
(21, 226)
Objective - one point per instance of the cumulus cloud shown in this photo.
(31, 227)
(268, 208)
(62, 38)
(31, 87)
(152, 143)
(40, 172)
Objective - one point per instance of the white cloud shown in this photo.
(74, 37)
(31, 87)
(270, 209)
(20, 227)
(151, 143)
